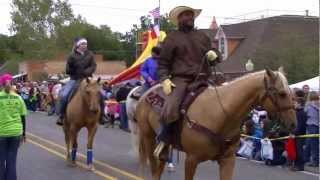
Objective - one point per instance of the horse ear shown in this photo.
(99, 79)
(270, 73)
(281, 70)
(88, 80)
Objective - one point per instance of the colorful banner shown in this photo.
(133, 70)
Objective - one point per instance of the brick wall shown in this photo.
(57, 66)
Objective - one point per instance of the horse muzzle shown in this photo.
(94, 109)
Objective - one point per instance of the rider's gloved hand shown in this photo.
(167, 86)
(211, 55)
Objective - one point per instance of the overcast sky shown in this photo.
(121, 14)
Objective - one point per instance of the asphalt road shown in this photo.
(42, 157)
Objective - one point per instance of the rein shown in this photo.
(223, 142)
(270, 93)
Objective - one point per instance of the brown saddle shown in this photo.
(156, 99)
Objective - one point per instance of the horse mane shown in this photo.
(282, 77)
(247, 76)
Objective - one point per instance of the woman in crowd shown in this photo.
(12, 128)
(312, 144)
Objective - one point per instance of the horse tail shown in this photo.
(143, 155)
(131, 105)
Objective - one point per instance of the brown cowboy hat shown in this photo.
(175, 12)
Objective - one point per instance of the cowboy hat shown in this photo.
(175, 12)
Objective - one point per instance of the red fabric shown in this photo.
(127, 74)
(290, 147)
(153, 34)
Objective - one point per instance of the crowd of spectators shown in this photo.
(43, 96)
(262, 131)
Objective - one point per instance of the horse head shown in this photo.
(277, 98)
(91, 94)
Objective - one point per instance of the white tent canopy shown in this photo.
(313, 83)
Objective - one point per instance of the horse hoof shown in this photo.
(90, 167)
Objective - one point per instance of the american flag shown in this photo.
(155, 12)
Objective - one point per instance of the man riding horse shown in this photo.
(187, 56)
(80, 65)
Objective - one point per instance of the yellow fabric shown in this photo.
(147, 51)
(167, 86)
(211, 55)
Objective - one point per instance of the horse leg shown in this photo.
(156, 169)
(159, 170)
(191, 164)
(66, 130)
(74, 143)
(91, 133)
(226, 167)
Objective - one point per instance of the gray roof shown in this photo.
(265, 34)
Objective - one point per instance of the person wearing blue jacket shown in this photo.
(149, 68)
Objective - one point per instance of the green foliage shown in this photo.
(299, 57)
(113, 55)
(166, 25)
(35, 23)
(129, 39)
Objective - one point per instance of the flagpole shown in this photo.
(159, 15)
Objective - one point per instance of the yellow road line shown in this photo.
(122, 172)
(78, 163)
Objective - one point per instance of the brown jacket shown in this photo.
(182, 54)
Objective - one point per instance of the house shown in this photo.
(262, 41)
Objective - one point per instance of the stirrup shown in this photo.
(159, 149)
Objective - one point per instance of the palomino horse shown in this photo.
(220, 110)
(82, 111)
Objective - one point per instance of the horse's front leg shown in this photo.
(66, 130)
(226, 167)
(73, 136)
(91, 133)
(191, 164)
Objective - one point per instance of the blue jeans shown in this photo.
(311, 152)
(64, 95)
(8, 157)
(123, 116)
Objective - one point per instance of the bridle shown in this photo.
(271, 93)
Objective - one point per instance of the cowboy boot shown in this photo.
(161, 152)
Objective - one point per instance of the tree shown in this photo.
(298, 55)
(166, 25)
(129, 39)
(36, 22)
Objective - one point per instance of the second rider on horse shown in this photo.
(80, 65)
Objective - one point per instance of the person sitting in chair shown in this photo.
(80, 65)
(186, 57)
